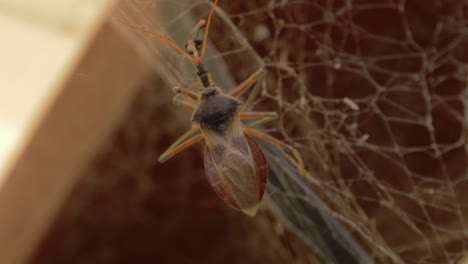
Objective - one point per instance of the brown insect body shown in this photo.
(234, 163)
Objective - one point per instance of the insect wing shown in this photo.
(238, 173)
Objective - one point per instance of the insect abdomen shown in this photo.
(238, 174)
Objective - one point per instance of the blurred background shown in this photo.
(373, 95)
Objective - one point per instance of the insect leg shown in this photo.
(184, 103)
(291, 150)
(263, 117)
(190, 94)
(257, 78)
(185, 141)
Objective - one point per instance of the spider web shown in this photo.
(372, 94)
(374, 97)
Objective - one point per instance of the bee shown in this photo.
(234, 162)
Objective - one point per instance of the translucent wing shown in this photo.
(237, 171)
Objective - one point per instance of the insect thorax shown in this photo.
(215, 111)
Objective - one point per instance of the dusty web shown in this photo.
(373, 95)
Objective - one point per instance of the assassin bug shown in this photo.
(234, 163)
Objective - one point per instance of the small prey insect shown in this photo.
(234, 163)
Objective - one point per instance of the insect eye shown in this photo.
(198, 44)
(197, 40)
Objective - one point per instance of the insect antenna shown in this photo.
(195, 45)
(192, 46)
(162, 37)
(208, 23)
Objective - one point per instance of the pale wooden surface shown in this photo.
(57, 107)
(41, 43)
